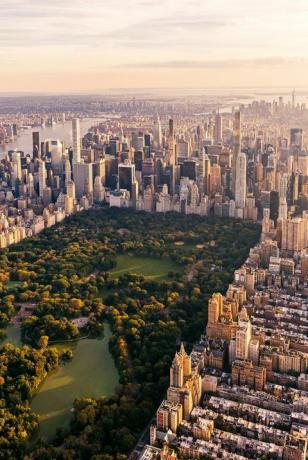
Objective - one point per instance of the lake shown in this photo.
(12, 335)
(91, 373)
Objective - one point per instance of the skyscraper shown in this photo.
(180, 369)
(83, 178)
(56, 153)
(189, 169)
(283, 190)
(283, 187)
(274, 205)
(99, 190)
(76, 140)
(68, 170)
(207, 173)
(240, 181)
(294, 233)
(42, 177)
(71, 189)
(158, 133)
(297, 137)
(171, 128)
(215, 179)
(36, 144)
(30, 183)
(16, 164)
(218, 129)
(236, 144)
(126, 174)
(243, 336)
(171, 144)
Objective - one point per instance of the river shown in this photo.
(63, 132)
(91, 373)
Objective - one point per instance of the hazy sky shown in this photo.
(62, 45)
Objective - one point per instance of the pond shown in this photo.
(91, 373)
(12, 335)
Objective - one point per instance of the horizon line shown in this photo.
(105, 91)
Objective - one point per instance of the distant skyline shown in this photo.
(90, 46)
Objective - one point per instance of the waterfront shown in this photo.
(63, 132)
(91, 373)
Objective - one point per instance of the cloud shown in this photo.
(155, 28)
(70, 26)
(62, 35)
(164, 25)
(167, 33)
(218, 64)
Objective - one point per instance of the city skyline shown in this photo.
(154, 230)
(175, 220)
(69, 47)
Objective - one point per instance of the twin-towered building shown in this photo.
(183, 394)
(242, 393)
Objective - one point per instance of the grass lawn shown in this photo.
(156, 269)
(189, 247)
(14, 284)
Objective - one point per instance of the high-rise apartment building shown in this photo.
(243, 336)
(237, 141)
(71, 189)
(171, 156)
(169, 416)
(297, 137)
(240, 181)
(36, 144)
(126, 173)
(218, 129)
(158, 133)
(67, 170)
(76, 140)
(294, 233)
(16, 166)
(83, 178)
(42, 177)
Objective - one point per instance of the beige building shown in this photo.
(169, 416)
(245, 373)
(221, 323)
(294, 233)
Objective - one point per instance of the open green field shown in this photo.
(149, 267)
(14, 284)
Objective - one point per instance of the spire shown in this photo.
(176, 359)
(243, 315)
(182, 350)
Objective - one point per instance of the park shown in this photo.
(120, 301)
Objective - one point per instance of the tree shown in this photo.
(43, 341)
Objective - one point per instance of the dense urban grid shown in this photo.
(63, 285)
(241, 391)
(231, 165)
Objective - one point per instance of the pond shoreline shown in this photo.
(54, 399)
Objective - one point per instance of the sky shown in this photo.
(93, 45)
